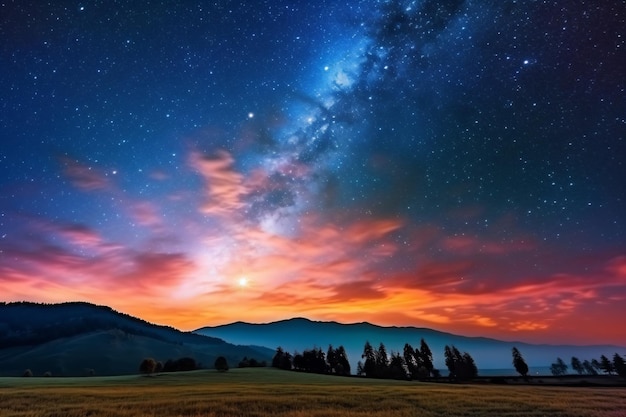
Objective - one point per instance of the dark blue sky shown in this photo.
(454, 164)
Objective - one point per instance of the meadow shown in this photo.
(269, 392)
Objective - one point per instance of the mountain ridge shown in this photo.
(489, 353)
(68, 338)
(378, 326)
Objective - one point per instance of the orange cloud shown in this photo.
(377, 269)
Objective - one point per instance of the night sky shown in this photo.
(456, 164)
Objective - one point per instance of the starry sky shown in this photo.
(453, 164)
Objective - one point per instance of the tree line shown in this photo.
(605, 365)
(417, 363)
(616, 366)
(151, 366)
(411, 363)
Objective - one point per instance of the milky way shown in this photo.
(450, 164)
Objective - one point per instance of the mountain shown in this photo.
(299, 334)
(73, 338)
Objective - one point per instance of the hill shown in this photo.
(299, 334)
(73, 338)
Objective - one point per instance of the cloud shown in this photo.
(466, 245)
(151, 271)
(80, 235)
(330, 264)
(145, 213)
(224, 187)
(85, 177)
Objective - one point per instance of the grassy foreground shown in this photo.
(268, 392)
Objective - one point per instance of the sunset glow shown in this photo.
(465, 176)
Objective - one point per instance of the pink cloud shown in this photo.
(145, 213)
(83, 176)
(225, 187)
(154, 270)
(80, 235)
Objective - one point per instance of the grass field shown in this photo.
(269, 392)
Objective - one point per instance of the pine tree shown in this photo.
(589, 368)
(470, 370)
(427, 357)
(331, 359)
(360, 371)
(606, 365)
(397, 367)
(277, 357)
(619, 366)
(342, 361)
(369, 366)
(558, 368)
(577, 365)
(461, 366)
(519, 363)
(382, 361)
(409, 360)
(450, 362)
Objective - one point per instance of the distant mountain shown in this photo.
(73, 338)
(299, 334)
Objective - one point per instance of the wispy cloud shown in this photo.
(85, 177)
(224, 187)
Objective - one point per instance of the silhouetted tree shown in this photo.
(469, 368)
(298, 362)
(382, 360)
(158, 367)
(27, 373)
(596, 365)
(286, 362)
(343, 364)
(277, 357)
(147, 366)
(460, 366)
(558, 368)
(221, 364)
(577, 365)
(314, 361)
(589, 369)
(369, 366)
(426, 357)
(397, 368)
(331, 359)
(360, 371)
(409, 359)
(250, 363)
(186, 364)
(606, 365)
(282, 359)
(181, 364)
(619, 366)
(519, 363)
(450, 361)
